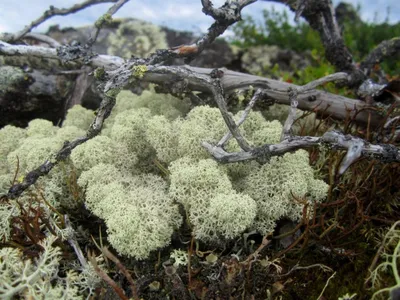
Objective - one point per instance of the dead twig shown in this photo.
(51, 12)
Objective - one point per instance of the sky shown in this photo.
(177, 14)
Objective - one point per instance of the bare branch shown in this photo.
(320, 14)
(292, 114)
(106, 61)
(51, 12)
(224, 16)
(385, 49)
(74, 243)
(105, 19)
(336, 106)
(334, 139)
(42, 38)
(293, 93)
(258, 94)
(341, 76)
(228, 13)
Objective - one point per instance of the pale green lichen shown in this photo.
(33, 152)
(202, 124)
(10, 139)
(274, 185)
(139, 215)
(200, 187)
(11, 78)
(102, 149)
(34, 279)
(7, 212)
(79, 116)
(40, 127)
(139, 208)
(137, 38)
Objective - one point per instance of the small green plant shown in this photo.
(276, 30)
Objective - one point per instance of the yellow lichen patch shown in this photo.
(138, 71)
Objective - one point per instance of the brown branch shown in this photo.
(124, 271)
(51, 12)
(119, 291)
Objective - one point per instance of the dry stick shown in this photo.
(335, 139)
(297, 267)
(326, 285)
(224, 16)
(42, 38)
(52, 11)
(73, 242)
(218, 94)
(265, 242)
(320, 14)
(243, 117)
(291, 115)
(124, 271)
(104, 19)
(293, 93)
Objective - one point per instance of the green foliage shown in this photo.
(275, 29)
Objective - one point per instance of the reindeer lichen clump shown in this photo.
(139, 208)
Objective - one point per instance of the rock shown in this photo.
(30, 94)
(260, 59)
